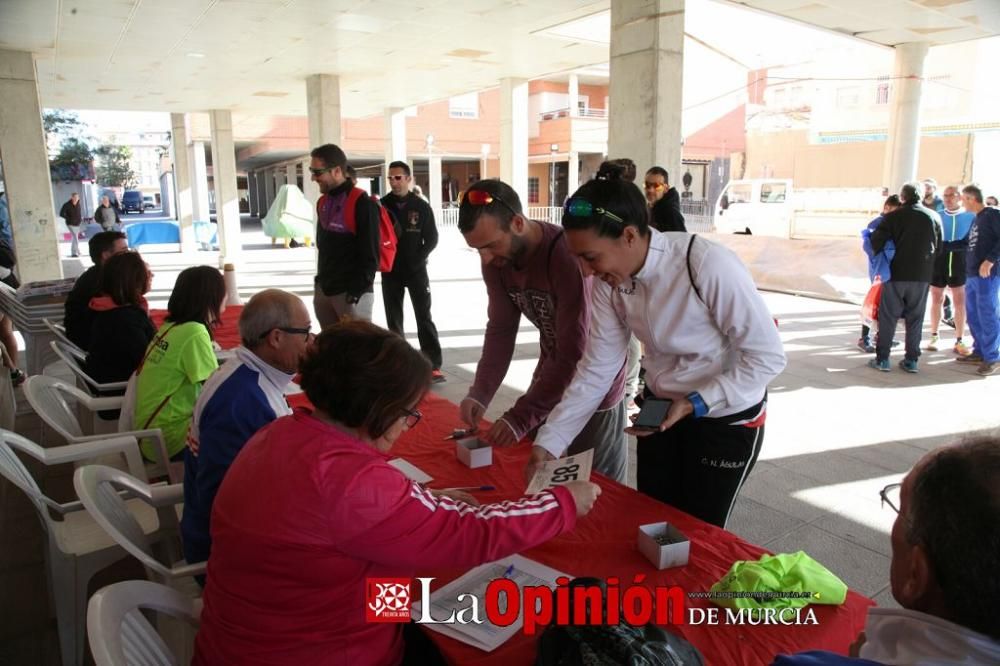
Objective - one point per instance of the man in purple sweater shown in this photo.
(529, 270)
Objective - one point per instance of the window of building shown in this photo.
(533, 190)
(882, 90)
(464, 106)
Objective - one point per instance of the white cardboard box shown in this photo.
(666, 555)
(474, 452)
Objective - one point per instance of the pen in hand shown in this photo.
(480, 488)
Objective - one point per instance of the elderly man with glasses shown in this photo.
(945, 559)
(664, 201)
(240, 398)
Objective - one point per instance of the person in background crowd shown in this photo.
(180, 358)
(70, 212)
(243, 396)
(991, 201)
(348, 260)
(78, 317)
(664, 201)
(106, 215)
(417, 236)
(120, 328)
(916, 232)
(529, 270)
(949, 268)
(311, 508)
(944, 544)
(930, 199)
(711, 349)
(878, 265)
(983, 283)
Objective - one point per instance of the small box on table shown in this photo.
(474, 452)
(664, 545)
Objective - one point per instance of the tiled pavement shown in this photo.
(837, 431)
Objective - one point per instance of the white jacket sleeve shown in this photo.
(756, 355)
(607, 345)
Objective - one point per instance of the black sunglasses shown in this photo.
(288, 329)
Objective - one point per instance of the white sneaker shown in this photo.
(933, 344)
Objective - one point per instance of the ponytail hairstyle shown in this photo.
(607, 205)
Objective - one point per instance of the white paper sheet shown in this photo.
(561, 471)
(485, 636)
(411, 471)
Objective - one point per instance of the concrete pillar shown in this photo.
(199, 182)
(227, 203)
(903, 147)
(646, 79)
(269, 189)
(573, 168)
(252, 193)
(291, 174)
(183, 181)
(26, 170)
(434, 184)
(514, 135)
(395, 141)
(309, 187)
(323, 108)
(574, 95)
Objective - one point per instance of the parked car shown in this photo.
(148, 203)
(132, 201)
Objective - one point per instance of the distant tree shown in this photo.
(114, 169)
(60, 125)
(75, 161)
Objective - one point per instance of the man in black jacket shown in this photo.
(348, 254)
(70, 212)
(664, 201)
(916, 232)
(417, 237)
(78, 316)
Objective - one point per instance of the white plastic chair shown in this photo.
(48, 397)
(74, 358)
(119, 633)
(77, 547)
(99, 486)
(59, 331)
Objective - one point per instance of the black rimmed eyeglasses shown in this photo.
(320, 172)
(412, 417)
(890, 496)
(307, 332)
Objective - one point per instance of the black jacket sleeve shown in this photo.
(366, 216)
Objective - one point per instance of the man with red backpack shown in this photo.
(348, 240)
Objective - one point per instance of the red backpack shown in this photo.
(386, 228)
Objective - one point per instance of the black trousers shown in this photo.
(699, 465)
(393, 287)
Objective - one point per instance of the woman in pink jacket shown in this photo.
(311, 508)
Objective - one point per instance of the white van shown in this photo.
(760, 207)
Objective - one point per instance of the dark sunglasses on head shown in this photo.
(320, 172)
(578, 207)
(484, 198)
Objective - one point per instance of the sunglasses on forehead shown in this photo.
(578, 207)
(484, 198)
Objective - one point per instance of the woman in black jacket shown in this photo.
(121, 329)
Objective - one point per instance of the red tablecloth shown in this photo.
(227, 333)
(604, 544)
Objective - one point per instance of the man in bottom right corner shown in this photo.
(945, 559)
(982, 287)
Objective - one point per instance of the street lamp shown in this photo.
(553, 149)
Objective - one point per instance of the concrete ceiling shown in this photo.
(892, 22)
(254, 55)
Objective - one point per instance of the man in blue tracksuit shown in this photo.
(949, 268)
(240, 398)
(983, 284)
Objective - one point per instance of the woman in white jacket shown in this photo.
(711, 347)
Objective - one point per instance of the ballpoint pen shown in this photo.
(510, 570)
(460, 433)
(480, 488)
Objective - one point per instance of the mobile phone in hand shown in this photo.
(652, 414)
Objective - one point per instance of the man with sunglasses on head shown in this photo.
(529, 270)
(240, 398)
(348, 254)
(664, 201)
(417, 237)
